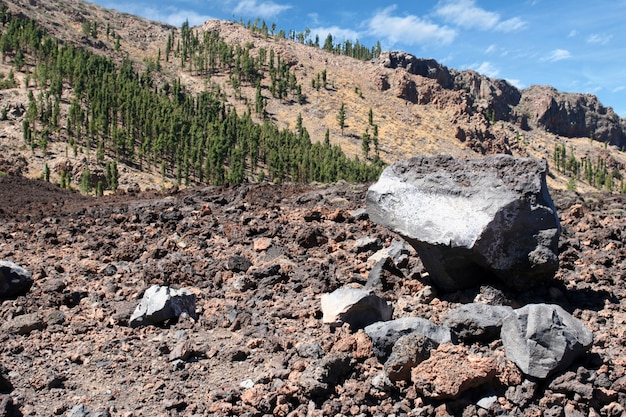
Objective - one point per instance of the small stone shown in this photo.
(14, 280)
(238, 263)
(452, 370)
(261, 244)
(407, 352)
(487, 402)
(246, 383)
(476, 321)
(24, 324)
(160, 303)
(355, 306)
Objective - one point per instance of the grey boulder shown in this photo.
(476, 322)
(543, 338)
(161, 303)
(356, 306)
(384, 335)
(14, 280)
(470, 220)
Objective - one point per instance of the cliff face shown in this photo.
(566, 114)
(572, 115)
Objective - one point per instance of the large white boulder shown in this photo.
(472, 220)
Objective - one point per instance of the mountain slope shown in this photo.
(416, 106)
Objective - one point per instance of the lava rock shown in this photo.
(356, 306)
(14, 280)
(543, 338)
(161, 303)
(238, 263)
(384, 335)
(383, 274)
(24, 324)
(408, 351)
(472, 220)
(452, 370)
(321, 376)
(5, 385)
(476, 322)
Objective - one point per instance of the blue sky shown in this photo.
(575, 46)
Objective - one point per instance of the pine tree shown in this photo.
(85, 181)
(341, 117)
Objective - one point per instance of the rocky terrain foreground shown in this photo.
(258, 259)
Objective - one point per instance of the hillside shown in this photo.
(414, 105)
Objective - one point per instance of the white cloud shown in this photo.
(572, 33)
(618, 89)
(172, 15)
(558, 55)
(409, 29)
(466, 14)
(265, 9)
(315, 18)
(599, 39)
(178, 17)
(339, 34)
(490, 49)
(511, 25)
(486, 68)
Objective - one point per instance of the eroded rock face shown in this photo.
(472, 220)
(572, 115)
(428, 68)
(488, 93)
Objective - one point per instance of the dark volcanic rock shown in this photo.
(384, 335)
(476, 321)
(14, 280)
(472, 220)
(323, 375)
(408, 351)
(542, 339)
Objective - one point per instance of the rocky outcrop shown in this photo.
(493, 97)
(571, 115)
(471, 220)
(469, 94)
(428, 68)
